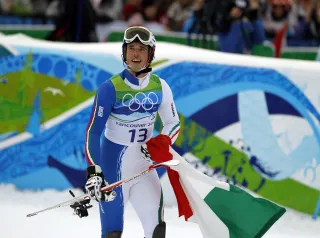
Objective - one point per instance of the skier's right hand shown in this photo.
(95, 181)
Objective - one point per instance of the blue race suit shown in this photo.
(125, 108)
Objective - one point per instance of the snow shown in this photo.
(16, 204)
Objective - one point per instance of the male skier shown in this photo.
(126, 107)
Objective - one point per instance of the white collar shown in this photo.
(143, 82)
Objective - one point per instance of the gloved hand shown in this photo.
(95, 181)
(158, 148)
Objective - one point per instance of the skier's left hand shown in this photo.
(158, 148)
(94, 184)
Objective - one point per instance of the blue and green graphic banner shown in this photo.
(253, 122)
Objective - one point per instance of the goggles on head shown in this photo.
(143, 34)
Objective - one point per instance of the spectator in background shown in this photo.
(304, 32)
(6, 6)
(156, 10)
(301, 7)
(133, 13)
(237, 24)
(155, 14)
(132, 9)
(245, 30)
(178, 13)
(149, 13)
(301, 29)
(39, 7)
(193, 23)
(16, 7)
(279, 14)
(107, 10)
(314, 22)
(76, 21)
(54, 9)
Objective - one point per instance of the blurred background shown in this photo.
(273, 28)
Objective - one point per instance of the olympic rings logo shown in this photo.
(134, 103)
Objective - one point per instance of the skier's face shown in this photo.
(137, 56)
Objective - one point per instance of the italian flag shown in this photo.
(222, 210)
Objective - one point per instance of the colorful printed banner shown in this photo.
(251, 121)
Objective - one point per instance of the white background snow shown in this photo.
(16, 204)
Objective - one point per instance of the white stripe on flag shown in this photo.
(207, 220)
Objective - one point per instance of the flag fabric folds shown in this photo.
(223, 210)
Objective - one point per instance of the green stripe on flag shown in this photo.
(244, 215)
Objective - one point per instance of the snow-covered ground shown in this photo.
(15, 205)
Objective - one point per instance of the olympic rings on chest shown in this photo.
(134, 103)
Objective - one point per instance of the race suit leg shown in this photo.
(145, 192)
(111, 213)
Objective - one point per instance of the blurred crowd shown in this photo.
(242, 22)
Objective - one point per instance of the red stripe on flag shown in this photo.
(184, 207)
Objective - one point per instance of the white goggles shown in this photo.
(143, 34)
